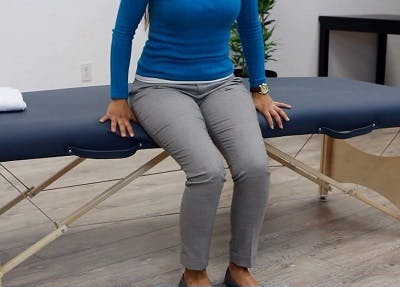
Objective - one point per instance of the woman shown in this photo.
(186, 98)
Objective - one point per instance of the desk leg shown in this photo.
(323, 52)
(381, 59)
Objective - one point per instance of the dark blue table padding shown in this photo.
(63, 122)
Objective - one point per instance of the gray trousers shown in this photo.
(190, 121)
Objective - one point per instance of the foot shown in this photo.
(241, 275)
(195, 278)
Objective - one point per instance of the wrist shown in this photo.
(119, 95)
(257, 95)
(263, 88)
(119, 100)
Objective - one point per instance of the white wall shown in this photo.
(352, 54)
(43, 42)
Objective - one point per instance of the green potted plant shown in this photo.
(268, 26)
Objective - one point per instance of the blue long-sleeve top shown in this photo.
(188, 40)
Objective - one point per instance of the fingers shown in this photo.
(104, 118)
(269, 118)
(121, 125)
(273, 112)
(120, 114)
(277, 118)
(113, 124)
(282, 113)
(283, 105)
(125, 127)
(129, 128)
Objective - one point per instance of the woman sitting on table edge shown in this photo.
(189, 102)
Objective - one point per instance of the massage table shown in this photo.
(65, 122)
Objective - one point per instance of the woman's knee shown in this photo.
(251, 168)
(207, 172)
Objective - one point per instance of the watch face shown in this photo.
(264, 88)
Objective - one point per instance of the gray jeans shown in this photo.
(190, 121)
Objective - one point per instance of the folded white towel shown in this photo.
(11, 100)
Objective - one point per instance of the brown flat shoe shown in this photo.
(182, 282)
(230, 282)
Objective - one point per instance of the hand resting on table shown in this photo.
(270, 109)
(120, 114)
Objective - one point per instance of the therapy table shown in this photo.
(65, 122)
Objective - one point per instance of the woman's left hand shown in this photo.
(270, 109)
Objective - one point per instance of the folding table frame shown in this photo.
(339, 162)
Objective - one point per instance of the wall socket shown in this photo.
(86, 72)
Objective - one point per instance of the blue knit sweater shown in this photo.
(188, 41)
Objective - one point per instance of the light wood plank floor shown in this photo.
(132, 239)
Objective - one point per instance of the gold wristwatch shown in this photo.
(262, 89)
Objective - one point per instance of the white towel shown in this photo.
(11, 100)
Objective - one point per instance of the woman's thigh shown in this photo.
(232, 122)
(175, 122)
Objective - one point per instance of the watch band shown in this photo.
(255, 89)
(262, 89)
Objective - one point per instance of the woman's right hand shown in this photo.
(120, 113)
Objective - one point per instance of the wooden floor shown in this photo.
(132, 239)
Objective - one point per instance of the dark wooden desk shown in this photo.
(379, 24)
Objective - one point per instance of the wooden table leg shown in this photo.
(326, 162)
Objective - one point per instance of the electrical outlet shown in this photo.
(86, 72)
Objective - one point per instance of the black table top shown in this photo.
(376, 17)
(374, 23)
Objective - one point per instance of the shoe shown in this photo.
(230, 282)
(182, 282)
